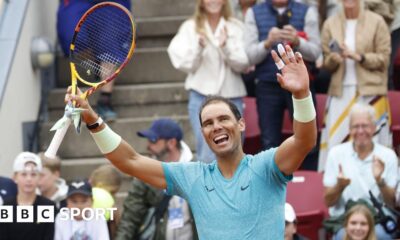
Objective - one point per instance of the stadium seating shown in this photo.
(394, 99)
(305, 194)
(252, 144)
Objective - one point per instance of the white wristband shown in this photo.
(107, 140)
(303, 109)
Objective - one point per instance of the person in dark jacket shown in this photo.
(175, 223)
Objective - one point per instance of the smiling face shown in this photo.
(221, 130)
(213, 7)
(357, 227)
(362, 129)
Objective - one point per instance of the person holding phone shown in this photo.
(266, 25)
(356, 49)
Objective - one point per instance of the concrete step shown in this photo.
(148, 65)
(154, 42)
(158, 26)
(83, 146)
(136, 111)
(142, 100)
(156, 8)
(172, 92)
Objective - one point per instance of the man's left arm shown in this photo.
(294, 78)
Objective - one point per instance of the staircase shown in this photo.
(148, 88)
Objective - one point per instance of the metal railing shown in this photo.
(2, 8)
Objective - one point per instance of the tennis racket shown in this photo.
(102, 45)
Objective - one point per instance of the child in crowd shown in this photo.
(291, 224)
(106, 181)
(51, 185)
(82, 226)
(27, 168)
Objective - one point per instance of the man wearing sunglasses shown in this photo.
(173, 220)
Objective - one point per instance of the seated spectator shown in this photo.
(106, 181)
(51, 185)
(356, 167)
(8, 189)
(359, 224)
(27, 168)
(291, 224)
(80, 196)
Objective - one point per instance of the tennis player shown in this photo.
(237, 196)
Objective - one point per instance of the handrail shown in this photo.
(2, 6)
(12, 16)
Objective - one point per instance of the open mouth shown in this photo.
(221, 139)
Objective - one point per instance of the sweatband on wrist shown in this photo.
(303, 109)
(106, 140)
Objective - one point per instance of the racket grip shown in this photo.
(51, 151)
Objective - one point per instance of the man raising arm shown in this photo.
(236, 188)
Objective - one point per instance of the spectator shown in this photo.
(240, 7)
(68, 15)
(51, 185)
(27, 168)
(291, 224)
(80, 196)
(359, 224)
(8, 189)
(106, 181)
(356, 167)
(165, 143)
(267, 24)
(209, 48)
(356, 48)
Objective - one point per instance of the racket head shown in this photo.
(102, 44)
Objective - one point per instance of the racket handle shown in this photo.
(51, 151)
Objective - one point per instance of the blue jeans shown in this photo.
(203, 152)
(379, 231)
(272, 101)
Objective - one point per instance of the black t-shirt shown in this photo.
(25, 231)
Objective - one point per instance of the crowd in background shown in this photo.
(349, 47)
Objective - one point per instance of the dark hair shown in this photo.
(216, 99)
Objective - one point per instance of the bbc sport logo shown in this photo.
(45, 214)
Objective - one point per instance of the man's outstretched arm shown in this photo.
(294, 78)
(119, 152)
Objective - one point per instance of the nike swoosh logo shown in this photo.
(244, 188)
(210, 190)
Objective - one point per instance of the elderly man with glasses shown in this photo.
(358, 166)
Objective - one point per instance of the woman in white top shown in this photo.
(209, 48)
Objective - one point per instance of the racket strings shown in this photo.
(102, 43)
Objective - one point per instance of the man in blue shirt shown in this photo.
(237, 196)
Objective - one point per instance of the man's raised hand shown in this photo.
(294, 77)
